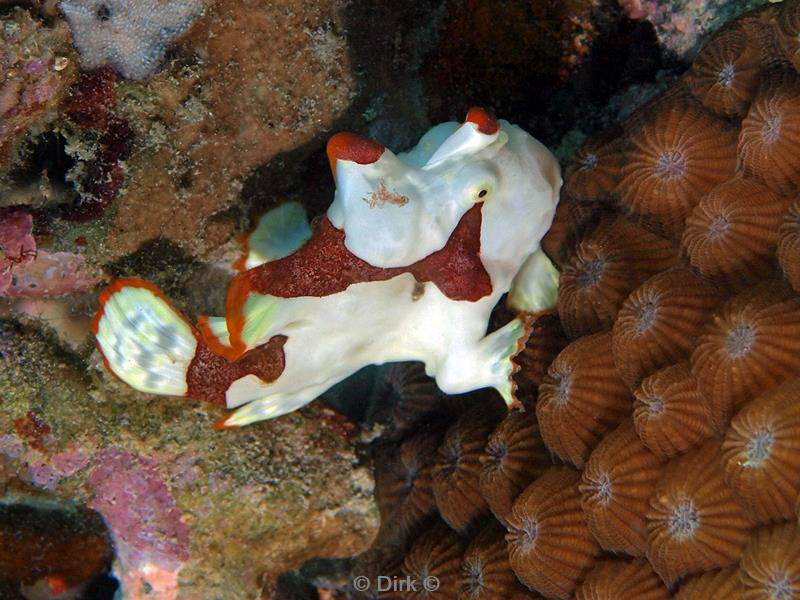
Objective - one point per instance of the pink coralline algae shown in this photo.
(33, 445)
(47, 471)
(51, 274)
(682, 24)
(139, 509)
(17, 246)
(26, 272)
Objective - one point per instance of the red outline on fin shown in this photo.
(483, 119)
(220, 425)
(238, 291)
(213, 342)
(240, 263)
(116, 286)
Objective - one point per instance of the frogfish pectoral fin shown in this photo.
(150, 346)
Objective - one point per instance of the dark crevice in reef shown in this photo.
(168, 266)
(46, 543)
(302, 174)
(154, 257)
(45, 152)
(41, 176)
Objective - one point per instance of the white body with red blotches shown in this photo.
(394, 211)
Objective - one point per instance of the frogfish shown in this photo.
(407, 264)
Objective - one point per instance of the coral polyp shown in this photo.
(694, 522)
(550, 546)
(759, 454)
(725, 75)
(437, 553)
(678, 154)
(670, 413)
(719, 584)
(731, 236)
(617, 578)
(514, 456)
(659, 322)
(581, 399)
(485, 572)
(607, 265)
(770, 565)
(789, 245)
(619, 478)
(770, 136)
(749, 346)
(457, 470)
(594, 169)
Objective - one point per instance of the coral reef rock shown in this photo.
(37, 66)
(187, 508)
(248, 86)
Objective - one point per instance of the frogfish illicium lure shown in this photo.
(409, 261)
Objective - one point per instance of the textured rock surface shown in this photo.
(37, 65)
(253, 80)
(188, 508)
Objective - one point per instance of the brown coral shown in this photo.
(549, 543)
(620, 578)
(457, 470)
(571, 221)
(594, 169)
(789, 245)
(694, 522)
(546, 340)
(788, 30)
(770, 566)
(403, 485)
(514, 456)
(731, 236)
(659, 322)
(436, 553)
(769, 141)
(615, 487)
(670, 413)
(409, 393)
(720, 584)
(760, 454)
(592, 286)
(581, 399)
(751, 344)
(608, 264)
(724, 76)
(485, 572)
(676, 157)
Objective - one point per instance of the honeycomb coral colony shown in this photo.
(658, 456)
(663, 386)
